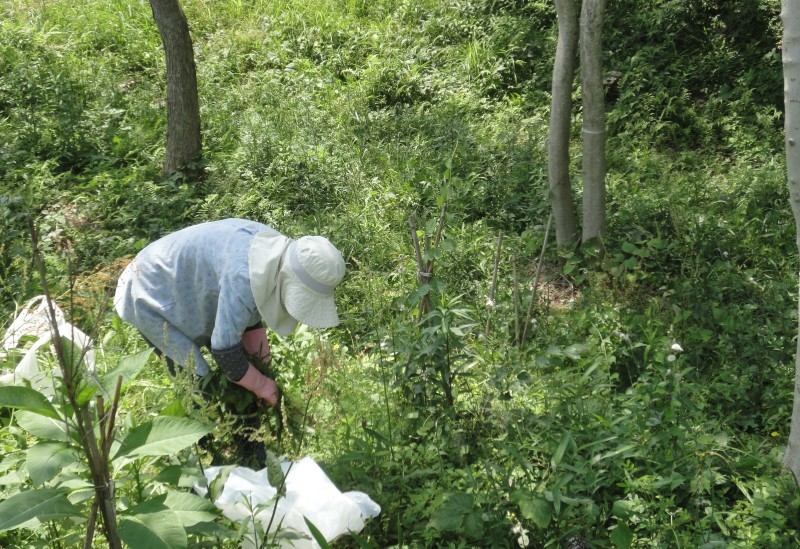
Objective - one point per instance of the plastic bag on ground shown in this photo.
(310, 494)
(34, 320)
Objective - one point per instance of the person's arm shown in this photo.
(230, 342)
(237, 368)
(256, 343)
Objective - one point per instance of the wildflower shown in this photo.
(522, 535)
(671, 358)
(676, 347)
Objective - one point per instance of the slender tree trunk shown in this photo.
(594, 123)
(790, 15)
(184, 142)
(560, 118)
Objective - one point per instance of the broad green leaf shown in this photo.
(450, 517)
(72, 352)
(534, 508)
(473, 524)
(163, 436)
(9, 462)
(47, 459)
(182, 477)
(218, 484)
(44, 505)
(159, 530)
(129, 367)
(446, 520)
(622, 509)
(318, 537)
(174, 409)
(149, 506)
(415, 296)
(27, 399)
(191, 508)
(86, 390)
(621, 536)
(275, 474)
(42, 427)
(575, 351)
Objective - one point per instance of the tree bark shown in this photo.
(790, 15)
(560, 118)
(184, 141)
(594, 123)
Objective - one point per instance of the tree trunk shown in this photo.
(184, 142)
(594, 123)
(560, 118)
(790, 15)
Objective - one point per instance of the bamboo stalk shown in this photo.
(515, 276)
(423, 276)
(493, 289)
(536, 280)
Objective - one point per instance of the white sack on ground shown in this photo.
(34, 320)
(309, 493)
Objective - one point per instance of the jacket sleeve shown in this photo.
(236, 311)
(232, 361)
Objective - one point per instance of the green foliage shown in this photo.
(344, 118)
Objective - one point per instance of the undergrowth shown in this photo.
(649, 405)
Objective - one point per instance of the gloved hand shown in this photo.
(255, 342)
(260, 385)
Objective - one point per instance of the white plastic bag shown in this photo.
(34, 320)
(309, 493)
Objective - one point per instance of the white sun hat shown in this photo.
(293, 280)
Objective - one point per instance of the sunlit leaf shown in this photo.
(46, 504)
(318, 537)
(27, 399)
(158, 530)
(42, 427)
(129, 367)
(190, 508)
(181, 476)
(534, 508)
(46, 459)
(163, 436)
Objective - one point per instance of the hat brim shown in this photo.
(265, 261)
(309, 307)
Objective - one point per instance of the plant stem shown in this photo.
(97, 467)
(493, 289)
(536, 281)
